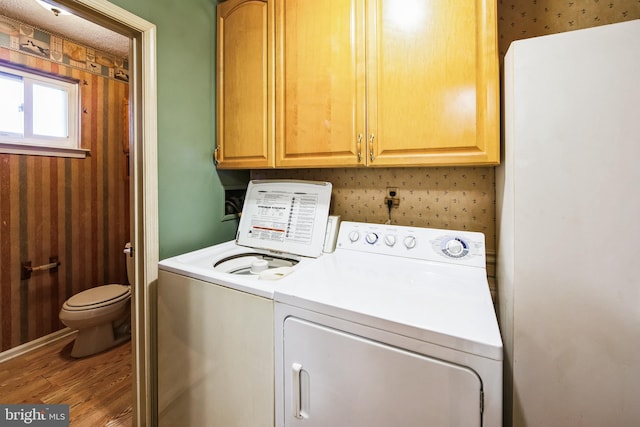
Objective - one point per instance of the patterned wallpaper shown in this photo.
(75, 209)
(457, 198)
(460, 198)
(531, 18)
(28, 40)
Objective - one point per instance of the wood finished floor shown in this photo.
(97, 388)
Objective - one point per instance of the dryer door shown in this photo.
(342, 380)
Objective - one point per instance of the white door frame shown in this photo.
(144, 191)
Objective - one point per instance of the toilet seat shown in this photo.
(100, 296)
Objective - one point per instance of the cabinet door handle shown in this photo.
(359, 146)
(371, 156)
(215, 155)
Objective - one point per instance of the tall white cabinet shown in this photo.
(569, 226)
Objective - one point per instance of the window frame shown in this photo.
(69, 146)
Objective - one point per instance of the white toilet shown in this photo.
(102, 315)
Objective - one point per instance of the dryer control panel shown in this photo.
(429, 244)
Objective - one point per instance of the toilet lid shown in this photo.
(100, 295)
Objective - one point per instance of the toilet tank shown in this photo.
(129, 260)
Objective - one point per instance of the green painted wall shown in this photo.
(190, 195)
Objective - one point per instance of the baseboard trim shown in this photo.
(37, 343)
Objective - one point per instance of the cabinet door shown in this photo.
(432, 82)
(319, 82)
(245, 83)
(341, 380)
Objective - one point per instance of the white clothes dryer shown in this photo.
(396, 327)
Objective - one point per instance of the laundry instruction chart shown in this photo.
(284, 216)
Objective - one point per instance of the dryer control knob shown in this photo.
(390, 240)
(371, 238)
(354, 236)
(410, 242)
(454, 247)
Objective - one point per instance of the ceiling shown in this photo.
(69, 26)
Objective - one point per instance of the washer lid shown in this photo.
(99, 295)
(285, 216)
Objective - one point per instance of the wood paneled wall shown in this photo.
(76, 209)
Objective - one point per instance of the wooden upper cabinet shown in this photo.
(432, 82)
(245, 85)
(386, 83)
(339, 83)
(319, 82)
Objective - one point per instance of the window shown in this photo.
(39, 114)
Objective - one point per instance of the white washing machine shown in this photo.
(215, 308)
(395, 328)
